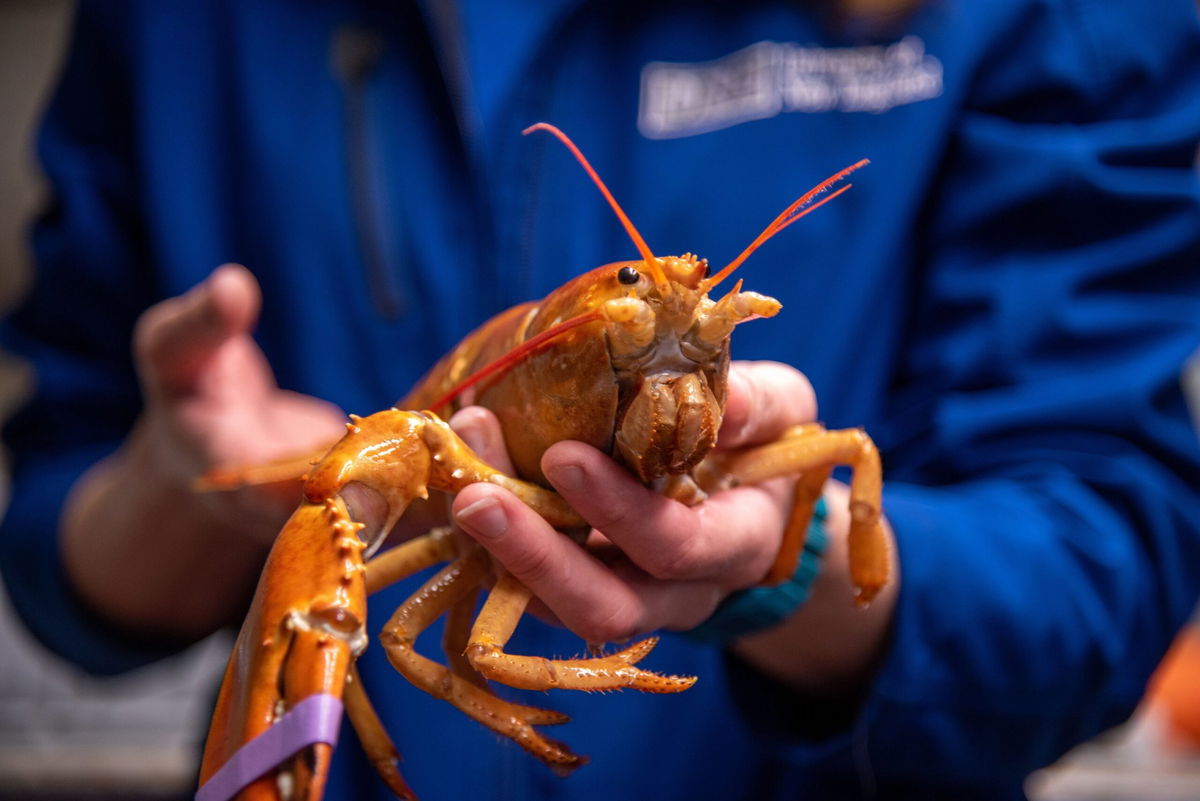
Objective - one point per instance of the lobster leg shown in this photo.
(394, 565)
(812, 451)
(402, 455)
(287, 469)
(276, 715)
(804, 501)
(455, 639)
(402, 561)
(503, 610)
(455, 582)
(374, 738)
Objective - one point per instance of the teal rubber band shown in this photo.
(759, 608)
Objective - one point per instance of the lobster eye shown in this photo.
(628, 275)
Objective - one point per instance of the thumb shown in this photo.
(764, 400)
(175, 339)
(480, 429)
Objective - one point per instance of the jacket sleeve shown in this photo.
(1046, 489)
(74, 329)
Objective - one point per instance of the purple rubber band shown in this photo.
(316, 719)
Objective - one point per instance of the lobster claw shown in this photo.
(280, 704)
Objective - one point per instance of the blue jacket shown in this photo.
(1004, 301)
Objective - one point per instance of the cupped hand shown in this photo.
(651, 562)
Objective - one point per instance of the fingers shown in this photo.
(480, 429)
(175, 338)
(675, 562)
(598, 603)
(731, 538)
(584, 594)
(764, 399)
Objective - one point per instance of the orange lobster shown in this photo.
(631, 358)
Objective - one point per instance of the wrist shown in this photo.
(830, 646)
(146, 553)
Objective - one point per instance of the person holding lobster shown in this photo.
(1004, 302)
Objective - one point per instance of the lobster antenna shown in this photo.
(515, 355)
(800, 207)
(660, 278)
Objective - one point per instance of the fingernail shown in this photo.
(466, 423)
(484, 518)
(566, 477)
(470, 434)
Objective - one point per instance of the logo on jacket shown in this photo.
(769, 78)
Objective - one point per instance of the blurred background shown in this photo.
(64, 735)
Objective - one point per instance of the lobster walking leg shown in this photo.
(812, 450)
(495, 625)
(404, 560)
(808, 490)
(376, 743)
(394, 565)
(285, 470)
(515, 721)
(455, 638)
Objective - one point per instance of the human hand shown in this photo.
(211, 400)
(140, 546)
(671, 564)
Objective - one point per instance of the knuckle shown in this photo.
(805, 397)
(534, 564)
(778, 396)
(790, 391)
(683, 560)
(471, 427)
(702, 608)
(744, 573)
(611, 518)
(618, 623)
(753, 559)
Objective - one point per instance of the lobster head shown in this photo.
(668, 344)
(652, 389)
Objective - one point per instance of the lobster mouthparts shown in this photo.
(670, 425)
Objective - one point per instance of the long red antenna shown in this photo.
(660, 278)
(800, 207)
(515, 355)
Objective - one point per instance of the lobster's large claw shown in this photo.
(303, 632)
